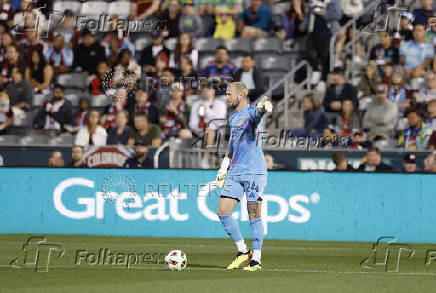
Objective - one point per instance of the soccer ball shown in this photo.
(176, 260)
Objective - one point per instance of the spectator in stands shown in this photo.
(340, 161)
(56, 159)
(175, 113)
(213, 7)
(27, 7)
(221, 69)
(417, 136)
(416, 55)
(119, 103)
(428, 93)
(225, 26)
(269, 161)
(381, 115)
(291, 21)
(140, 160)
(188, 76)
(162, 90)
(190, 22)
(338, 91)
(373, 162)
(426, 11)
(207, 115)
(409, 163)
(120, 133)
(398, 93)
(67, 29)
(430, 163)
(250, 76)
(143, 9)
(91, 134)
(88, 54)
(143, 105)
(432, 143)
(6, 113)
(149, 133)
(171, 18)
(19, 90)
(39, 73)
(31, 44)
(56, 113)
(12, 59)
(7, 40)
(184, 48)
(59, 55)
(349, 122)
(127, 63)
(97, 85)
(77, 155)
(406, 27)
(314, 120)
(151, 52)
(431, 115)
(81, 117)
(369, 80)
(385, 52)
(6, 12)
(255, 21)
(114, 43)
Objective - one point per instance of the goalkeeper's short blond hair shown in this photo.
(239, 88)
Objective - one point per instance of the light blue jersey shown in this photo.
(245, 143)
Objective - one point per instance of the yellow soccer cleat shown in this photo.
(253, 267)
(240, 259)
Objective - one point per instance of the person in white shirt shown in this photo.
(207, 115)
(92, 134)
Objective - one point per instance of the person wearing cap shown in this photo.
(406, 26)
(176, 112)
(225, 26)
(381, 115)
(338, 91)
(150, 53)
(147, 132)
(417, 136)
(140, 160)
(373, 162)
(67, 29)
(190, 22)
(409, 163)
(88, 54)
(207, 115)
(255, 21)
(416, 55)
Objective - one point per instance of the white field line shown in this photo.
(160, 268)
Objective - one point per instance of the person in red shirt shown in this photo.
(97, 86)
(176, 113)
(118, 104)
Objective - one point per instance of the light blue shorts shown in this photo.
(252, 185)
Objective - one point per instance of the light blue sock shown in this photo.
(231, 227)
(257, 233)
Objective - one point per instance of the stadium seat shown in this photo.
(39, 99)
(100, 101)
(239, 45)
(270, 78)
(207, 44)
(74, 80)
(272, 62)
(205, 59)
(62, 140)
(9, 139)
(268, 45)
(171, 43)
(121, 8)
(61, 6)
(141, 43)
(280, 7)
(34, 139)
(23, 121)
(236, 59)
(73, 98)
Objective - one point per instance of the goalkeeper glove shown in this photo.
(225, 164)
(265, 105)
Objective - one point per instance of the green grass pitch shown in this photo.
(288, 266)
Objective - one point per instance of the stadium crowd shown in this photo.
(154, 92)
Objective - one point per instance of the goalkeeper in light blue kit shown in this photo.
(247, 173)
